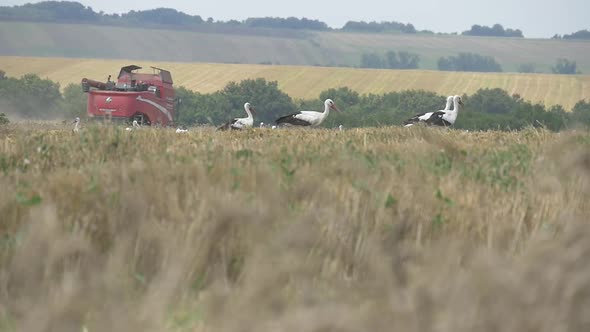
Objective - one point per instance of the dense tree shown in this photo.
(3, 119)
(66, 11)
(408, 60)
(266, 98)
(371, 60)
(565, 66)
(495, 101)
(286, 23)
(469, 62)
(50, 11)
(580, 115)
(345, 96)
(496, 31)
(582, 34)
(30, 96)
(196, 108)
(164, 16)
(391, 60)
(74, 101)
(378, 27)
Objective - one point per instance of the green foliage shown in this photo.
(378, 27)
(494, 109)
(3, 119)
(469, 62)
(29, 199)
(345, 96)
(372, 60)
(30, 97)
(74, 101)
(390, 201)
(580, 116)
(50, 11)
(491, 101)
(266, 98)
(286, 23)
(582, 34)
(391, 60)
(497, 31)
(565, 66)
(68, 11)
(164, 16)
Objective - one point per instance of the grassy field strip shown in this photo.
(302, 230)
(307, 82)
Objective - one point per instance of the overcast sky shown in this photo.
(536, 18)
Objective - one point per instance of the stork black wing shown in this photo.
(414, 119)
(292, 120)
(436, 119)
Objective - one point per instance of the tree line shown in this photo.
(497, 30)
(70, 11)
(581, 34)
(75, 12)
(390, 60)
(31, 97)
(469, 62)
(378, 27)
(465, 61)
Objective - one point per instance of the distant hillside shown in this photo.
(308, 82)
(274, 46)
(75, 12)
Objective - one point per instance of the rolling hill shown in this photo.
(307, 82)
(277, 46)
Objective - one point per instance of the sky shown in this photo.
(536, 18)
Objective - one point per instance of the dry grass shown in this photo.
(293, 230)
(307, 82)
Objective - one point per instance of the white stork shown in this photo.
(308, 118)
(135, 126)
(181, 130)
(240, 123)
(443, 118)
(77, 123)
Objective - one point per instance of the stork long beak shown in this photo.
(461, 102)
(335, 108)
(252, 110)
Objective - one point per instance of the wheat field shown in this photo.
(372, 229)
(304, 82)
(213, 43)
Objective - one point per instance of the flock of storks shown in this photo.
(443, 118)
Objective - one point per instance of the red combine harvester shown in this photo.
(147, 98)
